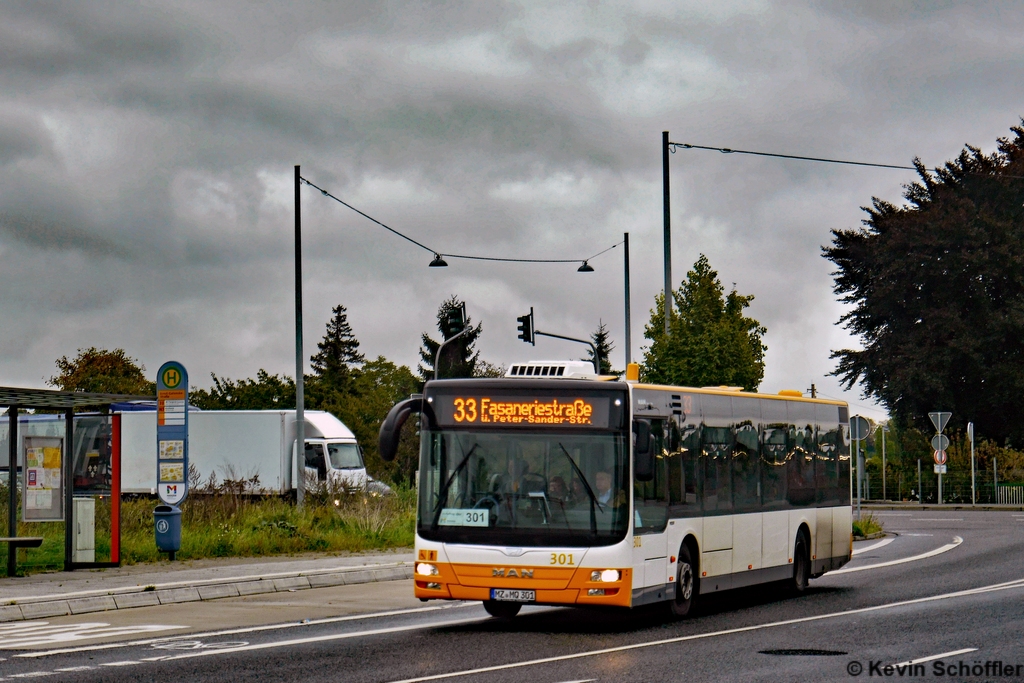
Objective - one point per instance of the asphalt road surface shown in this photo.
(947, 591)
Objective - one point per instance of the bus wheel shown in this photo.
(686, 586)
(502, 610)
(801, 564)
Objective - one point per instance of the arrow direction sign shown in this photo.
(939, 419)
(940, 442)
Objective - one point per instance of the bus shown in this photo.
(554, 486)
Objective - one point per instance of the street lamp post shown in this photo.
(667, 232)
(629, 347)
(300, 435)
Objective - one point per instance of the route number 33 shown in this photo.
(465, 410)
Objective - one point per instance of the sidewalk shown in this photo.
(57, 594)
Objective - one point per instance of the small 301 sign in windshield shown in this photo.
(524, 411)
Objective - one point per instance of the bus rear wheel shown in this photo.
(684, 602)
(502, 610)
(801, 564)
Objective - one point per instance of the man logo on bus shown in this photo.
(513, 574)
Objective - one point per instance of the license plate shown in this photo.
(513, 595)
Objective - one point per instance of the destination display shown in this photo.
(533, 411)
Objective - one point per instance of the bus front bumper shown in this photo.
(445, 581)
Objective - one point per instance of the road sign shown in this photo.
(172, 432)
(940, 442)
(940, 457)
(939, 419)
(940, 469)
(859, 428)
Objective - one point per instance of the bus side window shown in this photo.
(827, 474)
(746, 472)
(800, 479)
(775, 448)
(716, 452)
(652, 497)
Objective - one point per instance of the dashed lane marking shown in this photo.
(922, 660)
(874, 546)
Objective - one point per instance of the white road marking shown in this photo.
(938, 519)
(75, 668)
(31, 674)
(35, 633)
(873, 546)
(931, 553)
(907, 533)
(922, 660)
(332, 637)
(251, 629)
(126, 663)
(1018, 583)
(892, 514)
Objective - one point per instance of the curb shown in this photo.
(42, 606)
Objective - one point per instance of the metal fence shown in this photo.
(956, 488)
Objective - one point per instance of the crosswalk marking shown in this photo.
(36, 633)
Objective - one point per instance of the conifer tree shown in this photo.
(711, 341)
(460, 358)
(602, 340)
(338, 351)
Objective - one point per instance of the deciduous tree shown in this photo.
(937, 294)
(102, 371)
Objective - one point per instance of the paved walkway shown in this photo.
(55, 594)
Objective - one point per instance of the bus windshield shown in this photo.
(528, 489)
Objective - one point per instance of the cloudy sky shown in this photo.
(147, 152)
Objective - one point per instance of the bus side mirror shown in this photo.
(391, 428)
(643, 454)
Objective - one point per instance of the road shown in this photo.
(948, 588)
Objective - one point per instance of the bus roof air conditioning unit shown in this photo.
(553, 369)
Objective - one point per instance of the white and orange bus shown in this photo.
(554, 486)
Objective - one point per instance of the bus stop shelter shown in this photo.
(66, 403)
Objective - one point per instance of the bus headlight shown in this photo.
(425, 569)
(606, 576)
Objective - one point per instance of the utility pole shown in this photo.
(668, 232)
(970, 435)
(300, 417)
(885, 428)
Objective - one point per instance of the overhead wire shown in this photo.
(673, 146)
(438, 253)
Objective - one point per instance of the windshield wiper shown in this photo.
(444, 489)
(586, 487)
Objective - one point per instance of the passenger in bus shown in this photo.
(606, 494)
(557, 489)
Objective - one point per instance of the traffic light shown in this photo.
(526, 327)
(455, 321)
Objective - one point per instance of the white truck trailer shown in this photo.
(241, 444)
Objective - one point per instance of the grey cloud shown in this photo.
(149, 172)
